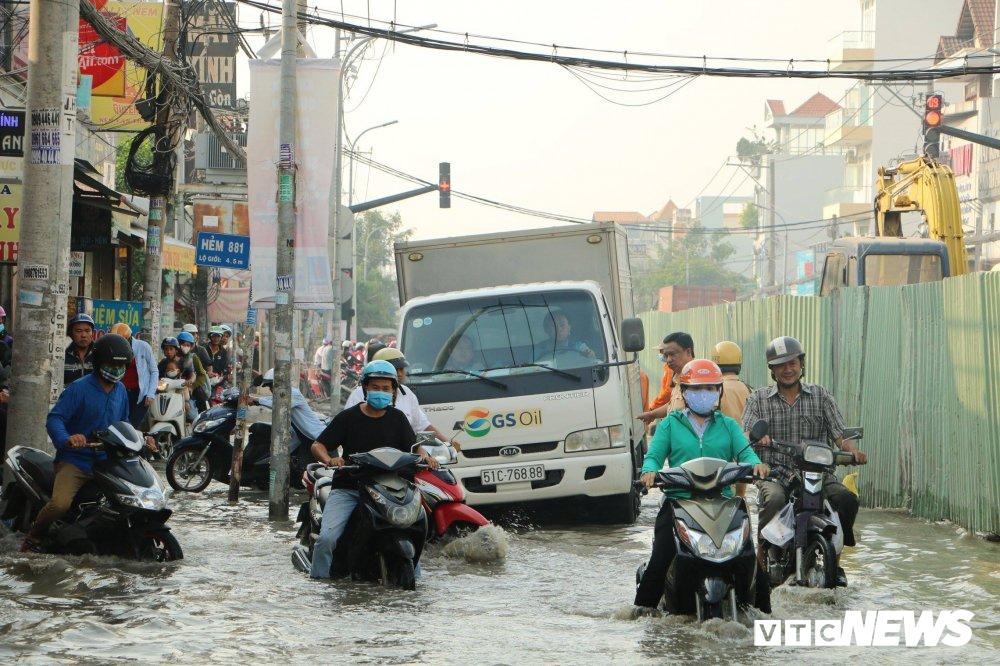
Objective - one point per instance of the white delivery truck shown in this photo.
(524, 340)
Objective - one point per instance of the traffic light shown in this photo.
(444, 184)
(933, 115)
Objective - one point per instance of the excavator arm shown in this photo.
(922, 185)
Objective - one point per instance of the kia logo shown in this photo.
(510, 451)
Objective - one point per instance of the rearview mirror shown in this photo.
(758, 430)
(854, 433)
(633, 335)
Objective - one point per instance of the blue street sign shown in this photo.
(222, 250)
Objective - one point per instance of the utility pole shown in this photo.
(285, 295)
(161, 203)
(772, 204)
(43, 263)
(335, 240)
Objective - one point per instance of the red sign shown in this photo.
(101, 60)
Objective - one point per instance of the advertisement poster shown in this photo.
(10, 221)
(108, 313)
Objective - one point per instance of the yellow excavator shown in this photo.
(921, 185)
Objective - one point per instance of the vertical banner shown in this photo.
(211, 49)
(318, 84)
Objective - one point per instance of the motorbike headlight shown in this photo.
(202, 426)
(595, 438)
(151, 499)
(818, 455)
(406, 514)
(705, 548)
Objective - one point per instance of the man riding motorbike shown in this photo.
(797, 411)
(366, 426)
(91, 403)
(700, 430)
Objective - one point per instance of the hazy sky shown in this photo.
(531, 134)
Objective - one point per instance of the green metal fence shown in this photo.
(917, 366)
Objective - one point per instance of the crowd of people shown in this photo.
(705, 409)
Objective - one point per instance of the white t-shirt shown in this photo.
(406, 402)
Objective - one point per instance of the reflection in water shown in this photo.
(527, 594)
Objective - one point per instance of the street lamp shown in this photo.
(354, 237)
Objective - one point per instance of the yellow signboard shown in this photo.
(10, 221)
(142, 20)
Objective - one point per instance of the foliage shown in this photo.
(377, 304)
(749, 216)
(695, 258)
(144, 156)
(752, 150)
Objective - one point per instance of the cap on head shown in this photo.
(784, 349)
(189, 328)
(393, 356)
(728, 356)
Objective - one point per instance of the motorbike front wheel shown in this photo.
(820, 562)
(158, 546)
(185, 472)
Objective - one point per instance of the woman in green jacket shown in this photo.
(696, 432)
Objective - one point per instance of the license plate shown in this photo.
(499, 475)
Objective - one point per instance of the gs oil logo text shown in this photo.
(478, 422)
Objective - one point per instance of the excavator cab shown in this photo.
(882, 261)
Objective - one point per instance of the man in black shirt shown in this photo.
(368, 425)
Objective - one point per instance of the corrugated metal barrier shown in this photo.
(917, 366)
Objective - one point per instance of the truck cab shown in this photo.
(535, 383)
(882, 261)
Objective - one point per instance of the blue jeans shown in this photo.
(339, 507)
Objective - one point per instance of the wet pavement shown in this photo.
(557, 593)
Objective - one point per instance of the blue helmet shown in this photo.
(184, 336)
(81, 317)
(379, 370)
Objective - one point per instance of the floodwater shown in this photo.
(524, 595)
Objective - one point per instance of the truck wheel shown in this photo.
(623, 509)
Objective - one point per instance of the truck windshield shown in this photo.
(899, 269)
(497, 336)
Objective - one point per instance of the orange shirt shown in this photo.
(665, 388)
(644, 388)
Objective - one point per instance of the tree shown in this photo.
(749, 216)
(144, 155)
(696, 258)
(375, 274)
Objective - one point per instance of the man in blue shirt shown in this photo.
(91, 403)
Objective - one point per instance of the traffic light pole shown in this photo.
(392, 198)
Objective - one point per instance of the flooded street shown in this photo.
(562, 595)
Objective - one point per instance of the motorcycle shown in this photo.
(714, 571)
(443, 496)
(167, 416)
(122, 511)
(806, 542)
(208, 453)
(385, 535)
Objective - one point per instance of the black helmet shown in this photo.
(784, 349)
(170, 341)
(111, 348)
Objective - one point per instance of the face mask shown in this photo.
(378, 399)
(172, 374)
(701, 402)
(663, 359)
(113, 374)
(2, 328)
(185, 349)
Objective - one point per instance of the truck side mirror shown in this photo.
(633, 335)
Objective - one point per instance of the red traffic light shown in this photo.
(932, 111)
(444, 185)
(932, 119)
(933, 102)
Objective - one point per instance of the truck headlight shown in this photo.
(596, 438)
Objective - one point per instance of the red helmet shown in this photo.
(701, 371)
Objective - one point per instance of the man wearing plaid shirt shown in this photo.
(796, 411)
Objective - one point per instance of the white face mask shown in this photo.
(172, 374)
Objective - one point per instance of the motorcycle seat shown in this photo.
(40, 466)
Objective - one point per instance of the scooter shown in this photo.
(208, 453)
(385, 535)
(806, 545)
(443, 496)
(714, 571)
(122, 511)
(167, 416)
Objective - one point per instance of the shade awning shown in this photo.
(177, 255)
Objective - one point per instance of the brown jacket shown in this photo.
(734, 396)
